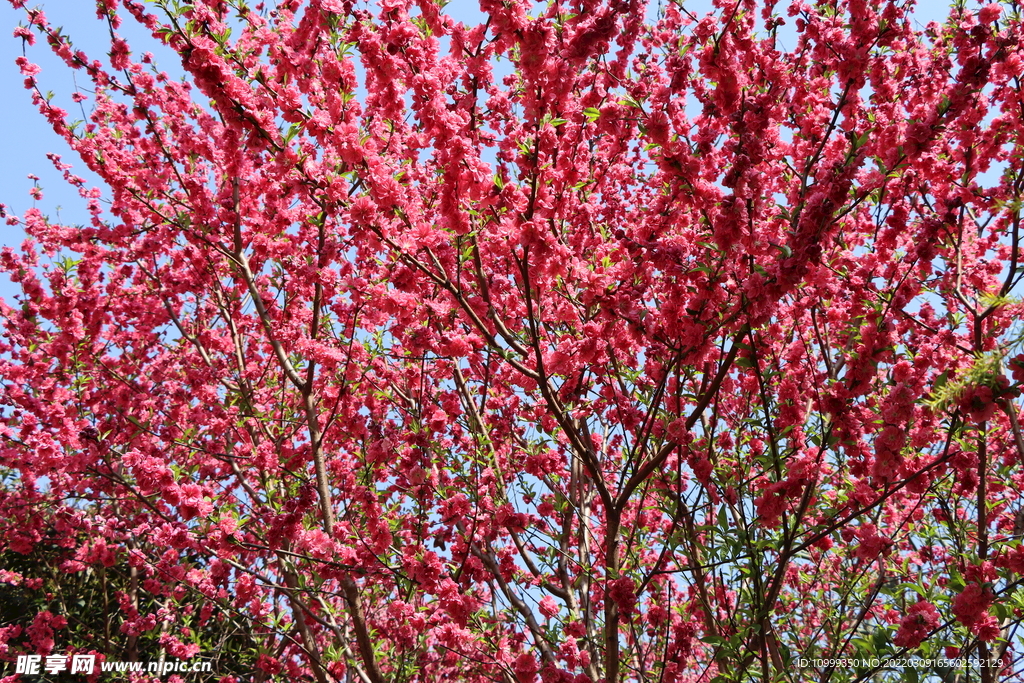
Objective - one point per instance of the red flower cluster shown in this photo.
(404, 344)
(971, 606)
(1017, 367)
(921, 619)
(979, 403)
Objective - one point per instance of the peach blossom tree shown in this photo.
(596, 342)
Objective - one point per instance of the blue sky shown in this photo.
(29, 138)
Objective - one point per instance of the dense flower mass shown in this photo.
(598, 340)
(922, 618)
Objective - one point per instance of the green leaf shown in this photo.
(914, 587)
(880, 639)
(136, 422)
(785, 249)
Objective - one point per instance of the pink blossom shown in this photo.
(622, 591)
(921, 619)
(989, 13)
(548, 607)
(525, 667)
(971, 606)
